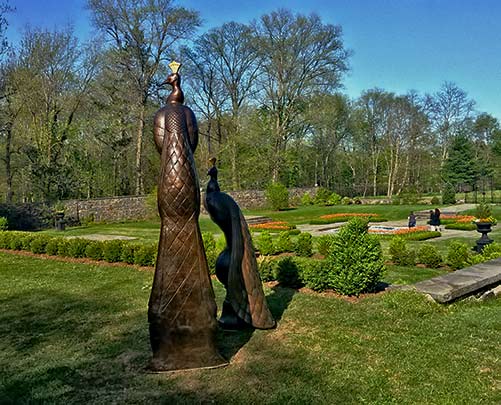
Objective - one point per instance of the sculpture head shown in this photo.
(172, 78)
(175, 81)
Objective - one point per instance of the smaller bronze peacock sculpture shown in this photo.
(236, 267)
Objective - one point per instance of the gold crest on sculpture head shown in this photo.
(174, 66)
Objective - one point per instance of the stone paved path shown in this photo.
(461, 283)
(319, 230)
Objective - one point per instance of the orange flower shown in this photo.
(400, 231)
(274, 225)
(463, 219)
(348, 215)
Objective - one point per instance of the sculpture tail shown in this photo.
(260, 314)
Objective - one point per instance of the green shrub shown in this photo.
(94, 250)
(355, 263)
(491, 251)
(52, 246)
(16, 241)
(277, 196)
(287, 273)
(458, 255)
(26, 240)
(435, 200)
(461, 226)
(400, 253)
(416, 236)
(483, 211)
(265, 243)
(429, 256)
(304, 245)
(334, 199)
(128, 251)
(306, 199)
(284, 243)
(112, 250)
(5, 239)
(146, 255)
(324, 244)
(314, 273)
(3, 224)
(210, 250)
(75, 247)
(448, 194)
(63, 247)
(411, 196)
(293, 232)
(39, 244)
(346, 201)
(322, 196)
(267, 269)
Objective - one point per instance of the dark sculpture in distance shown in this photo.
(236, 267)
(182, 309)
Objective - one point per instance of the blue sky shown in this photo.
(397, 45)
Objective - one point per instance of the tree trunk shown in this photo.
(8, 168)
(139, 152)
(374, 173)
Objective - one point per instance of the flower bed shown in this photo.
(461, 219)
(415, 233)
(345, 216)
(274, 226)
(400, 231)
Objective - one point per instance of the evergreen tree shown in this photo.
(460, 166)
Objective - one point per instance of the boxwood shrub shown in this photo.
(355, 262)
(458, 255)
(304, 245)
(112, 250)
(94, 250)
(75, 247)
(288, 273)
(145, 255)
(400, 253)
(39, 244)
(428, 255)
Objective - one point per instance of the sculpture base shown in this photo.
(152, 370)
(183, 348)
(230, 321)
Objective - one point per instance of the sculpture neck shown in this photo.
(177, 95)
(213, 185)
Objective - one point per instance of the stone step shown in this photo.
(254, 219)
(462, 283)
(426, 214)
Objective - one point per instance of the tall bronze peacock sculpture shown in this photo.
(182, 308)
(236, 267)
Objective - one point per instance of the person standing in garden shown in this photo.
(412, 220)
(435, 220)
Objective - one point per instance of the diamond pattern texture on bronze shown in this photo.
(182, 309)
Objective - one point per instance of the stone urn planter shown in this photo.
(59, 221)
(484, 228)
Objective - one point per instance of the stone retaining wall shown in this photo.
(115, 209)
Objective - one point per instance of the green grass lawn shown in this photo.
(303, 215)
(78, 333)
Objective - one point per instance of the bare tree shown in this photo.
(142, 34)
(224, 71)
(300, 56)
(449, 111)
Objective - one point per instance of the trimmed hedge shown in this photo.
(461, 226)
(325, 221)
